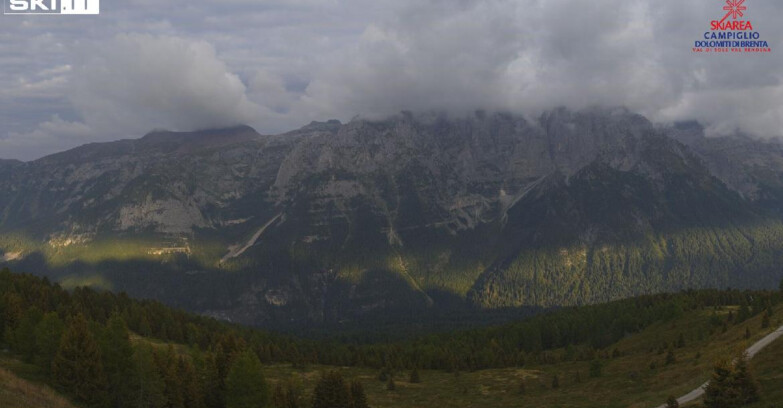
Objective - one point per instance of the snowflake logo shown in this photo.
(734, 9)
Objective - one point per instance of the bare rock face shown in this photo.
(335, 220)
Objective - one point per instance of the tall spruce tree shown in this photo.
(731, 385)
(77, 367)
(48, 333)
(743, 382)
(331, 392)
(358, 397)
(245, 384)
(117, 354)
(147, 384)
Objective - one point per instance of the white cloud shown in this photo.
(56, 134)
(277, 65)
(138, 81)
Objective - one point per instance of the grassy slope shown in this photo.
(627, 381)
(18, 392)
(768, 369)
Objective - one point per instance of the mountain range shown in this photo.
(412, 213)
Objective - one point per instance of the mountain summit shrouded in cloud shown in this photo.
(69, 80)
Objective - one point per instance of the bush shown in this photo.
(596, 369)
(414, 378)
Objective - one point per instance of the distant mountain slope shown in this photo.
(399, 216)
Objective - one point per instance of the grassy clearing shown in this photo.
(16, 392)
(638, 377)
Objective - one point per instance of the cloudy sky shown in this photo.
(279, 64)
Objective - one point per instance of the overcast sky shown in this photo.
(277, 65)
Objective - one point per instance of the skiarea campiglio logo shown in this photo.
(733, 33)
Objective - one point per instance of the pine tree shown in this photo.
(731, 385)
(146, 386)
(555, 382)
(747, 333)
(22, 338)
(358, 397)
(717, 394)
(279, 396)
(77, 366)
(245, 384)
(670, 357)
(522, 388)
(596, 368)
(167, 363)
(331, 392)
(214, 385)
(744, 383)
(681, 341)
(117, 354)
(414, 378)
(191, 386)
(48, 333)
(390, 385)
(765, 321)
(286, 395)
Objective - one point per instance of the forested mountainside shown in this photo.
(102, 349)
(336, 222)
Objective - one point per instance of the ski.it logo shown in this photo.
(51, 6)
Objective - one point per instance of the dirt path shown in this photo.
(234, 251)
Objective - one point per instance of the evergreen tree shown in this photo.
(671, 402)
(681, 341)
(522, 388)
(414, 378)
(743, 382)
(191, 386)
(731, 386)
(167, 363)
(596, 369)
(213, 383)
(555, 382)
(331, 392)
(278, 396)
(22, 338)
(670, 357)
(245, 384)
(286, 395)
(718, 393)
(390, 385)
(77, 366)
(747, 333)
(48, 333)
(117, 354)
(358, 397)
(146, 387)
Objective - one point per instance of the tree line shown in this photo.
(108, 350)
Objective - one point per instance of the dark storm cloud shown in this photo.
(276, 65)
